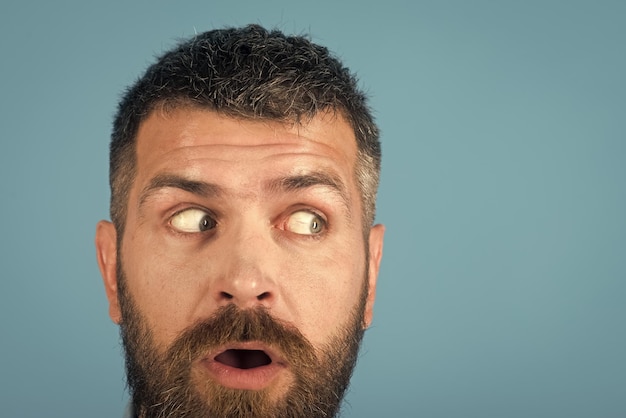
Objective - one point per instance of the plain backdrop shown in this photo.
(502, 290)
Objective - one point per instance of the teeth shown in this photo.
(244, 359)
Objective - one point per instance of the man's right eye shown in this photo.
(192, 220)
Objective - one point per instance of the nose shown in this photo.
(245, 291)
(247, 275)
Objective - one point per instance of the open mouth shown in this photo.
(243, 359)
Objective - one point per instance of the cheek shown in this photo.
(156, 281)
(317, 290)
(327, 293)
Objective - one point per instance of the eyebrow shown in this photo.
(287, 184)
(162, 181)
(308, 180)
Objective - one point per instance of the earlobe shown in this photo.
(376, 237)
(106, 251)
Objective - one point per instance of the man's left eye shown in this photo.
(193, 220)
(304, 222)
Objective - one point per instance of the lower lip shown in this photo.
(256, 378)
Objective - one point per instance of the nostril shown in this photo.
(264, 295)
(226, 295)
(243, 298)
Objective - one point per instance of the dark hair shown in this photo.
(245, 72)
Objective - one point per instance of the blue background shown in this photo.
(502, 290)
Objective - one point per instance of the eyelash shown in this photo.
(178, 211)
(303, 208)
(283, 219)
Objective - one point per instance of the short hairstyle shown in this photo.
(246, 72)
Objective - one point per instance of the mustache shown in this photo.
(231, 324)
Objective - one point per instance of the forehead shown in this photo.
(198, 141)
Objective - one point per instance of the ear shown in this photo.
(377, 233)
(106, 251)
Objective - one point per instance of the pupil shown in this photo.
(205, 224)
(314, 226)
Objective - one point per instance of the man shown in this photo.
(241, 260)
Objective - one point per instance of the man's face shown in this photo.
(255, 224)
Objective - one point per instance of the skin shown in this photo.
(258, 253)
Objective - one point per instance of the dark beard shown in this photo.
(162, 385)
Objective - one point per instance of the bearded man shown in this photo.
(241, 258)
